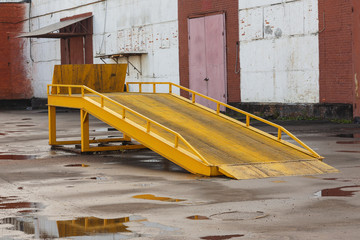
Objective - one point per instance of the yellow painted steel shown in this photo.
(210, 142)
(102, 78)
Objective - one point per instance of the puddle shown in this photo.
(13, 202)
(25, 119)
(15, 131)
(348, 142)
(77, 165)
(344, 151)
(17, 157)
(338, 192)
(233, 216)
(198, 217)
(222, 237)
(82, 228)
(98, 178)
(345, 135)
(163, 199)
(25, 125)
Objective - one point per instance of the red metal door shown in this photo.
(207, 56)
(73, 51)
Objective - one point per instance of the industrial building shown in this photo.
(277, 58)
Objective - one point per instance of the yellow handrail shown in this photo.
(125, 109)
(218, 104)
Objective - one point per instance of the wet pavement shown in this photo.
(50, 194)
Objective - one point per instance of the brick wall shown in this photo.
(356, 58)
(14, 83)
(188, 8)
(335, 43)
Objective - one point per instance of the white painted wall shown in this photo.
(279, 51)
(119, 26)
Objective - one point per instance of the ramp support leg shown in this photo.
(85, 145)
(126, 138)
(52, 125)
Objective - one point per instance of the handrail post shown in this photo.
(154, 87)
(57, 90)
(217, 108)
(247, 120)
(123, 113)
(193, 97)
(176, 141)
(148, 126)
(69, 89)
(82, 91)
(140, 87)
(279, 134)
(170, 88)
(102, 101)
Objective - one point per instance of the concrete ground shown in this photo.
(48, 194)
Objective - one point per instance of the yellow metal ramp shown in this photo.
(237, 151)
(198, 139)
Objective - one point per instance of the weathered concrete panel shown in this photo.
(251, 24)
(282, 66)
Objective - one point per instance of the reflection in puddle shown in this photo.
(2, 134)
(25, 125)
(222, 237)
(17, 157)
(78, 228)
(337, 192)
(77, 165)
(163, 199)
(13, 202)
(198, 217)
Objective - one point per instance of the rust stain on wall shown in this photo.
(14, 83)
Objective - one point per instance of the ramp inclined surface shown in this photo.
(237, 151)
